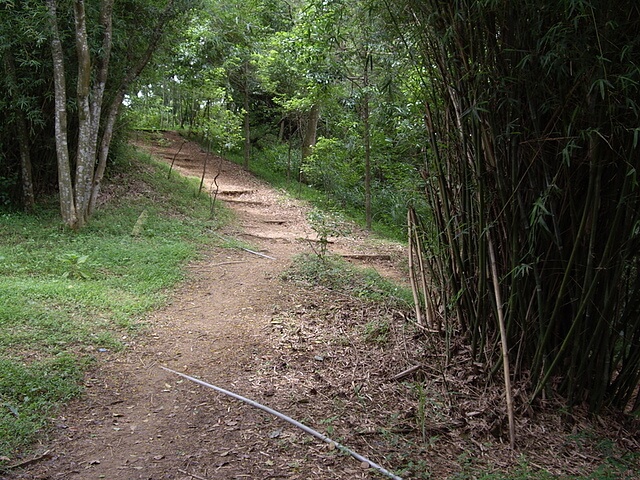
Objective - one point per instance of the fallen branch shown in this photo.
(315, 240)
(290, 420)
(236, 193)
(243, 202)
(275, 222)
(406, 373)
(31, 461)
(367, 256)
(257, 253)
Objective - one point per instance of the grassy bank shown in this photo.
(66, 298)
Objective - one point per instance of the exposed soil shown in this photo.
(320, 357)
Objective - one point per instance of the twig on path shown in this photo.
(257, 253)
(31, 461)
(191, 474)
(367, 256)
(291, 421)
(406, 373)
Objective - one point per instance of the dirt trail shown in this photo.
(139, 421)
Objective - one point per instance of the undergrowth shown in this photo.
(334, 273)
(66, 298)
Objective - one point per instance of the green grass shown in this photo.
(30, 393)
(336, 274)
(64, 295)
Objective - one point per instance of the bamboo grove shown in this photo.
(533, 122)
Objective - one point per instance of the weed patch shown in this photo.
(29, 393)
(334, 273)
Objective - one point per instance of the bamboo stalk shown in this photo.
(412, 268)
(503, 343)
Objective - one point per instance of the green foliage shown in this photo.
(626, 467)
(64, 296)
(326, 224)
(26, 98)
(75, 266)
(376, 332)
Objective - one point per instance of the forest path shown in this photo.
(228, 325)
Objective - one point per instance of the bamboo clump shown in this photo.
(531, 178)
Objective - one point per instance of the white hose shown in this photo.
(290, 420)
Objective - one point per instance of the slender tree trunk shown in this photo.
(85, 156)
(114, 107)
(310, 133)
(28, 197)
(67, 203)
(103, 152)
(367, 162)
(247, 123)
(26, 170)
(367, 143)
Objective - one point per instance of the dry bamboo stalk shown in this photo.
(257, 253)
(406, 373)
(412, 277)
(503, 341)
(428, 305)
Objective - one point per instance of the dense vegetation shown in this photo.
(509, 131)
(533, 159)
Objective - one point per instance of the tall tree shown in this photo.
(78, 197)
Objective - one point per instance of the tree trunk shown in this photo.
(114, 107)
(67, 203)
(78, 202)
(85, 156)
(310, 133)
(367, 161)
(367, 143)
(247, 123)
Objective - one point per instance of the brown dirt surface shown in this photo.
(319, 356)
